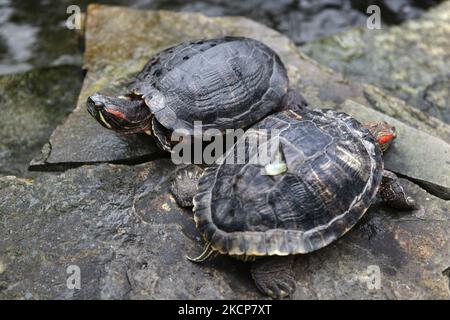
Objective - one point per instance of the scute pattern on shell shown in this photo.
(334, 171)
(229, 82)
(168, 59)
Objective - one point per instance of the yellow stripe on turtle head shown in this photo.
(104, 121)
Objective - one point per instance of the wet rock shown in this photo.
(45, 40)
(82, 140)
(123, 229)
(407, 252)
(414, 154)
(379, 100)
(32, 104)
(119, 225)
(410, 61)
(116, 49)
(34, 35)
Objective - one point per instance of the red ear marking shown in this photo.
(116, 113)
(386, 138)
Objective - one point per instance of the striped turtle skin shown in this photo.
(226, 83)
(332, 175)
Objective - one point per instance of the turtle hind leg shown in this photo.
(392, 193)
(184, 185)
(274, 276)
(294, 101)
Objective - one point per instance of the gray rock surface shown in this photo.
(122, 228)
(80, 139)
(32, 104)
(45, 40)
(410, 249)
(410, 61)
(414, 154)
(119, 225)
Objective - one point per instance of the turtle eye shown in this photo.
(96, 104)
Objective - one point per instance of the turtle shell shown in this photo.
(230, 82)
(332, 174)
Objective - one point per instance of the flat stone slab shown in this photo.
(122, 228)
(81, 140)
(410, 61)
(117, 48)
(32, 104)
(414, 154)
(119, 225)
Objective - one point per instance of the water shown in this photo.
(33, 32)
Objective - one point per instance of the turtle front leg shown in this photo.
(184, 185)
(392, 193)
(294, 101)
(274, 276)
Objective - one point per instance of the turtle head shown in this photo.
(383, 132)
(122, 114)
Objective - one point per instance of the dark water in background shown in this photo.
(33, 33)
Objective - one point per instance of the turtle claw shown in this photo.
(184, 185)
(279, 288)
(208, 251)
(274, 276)
(393, 194)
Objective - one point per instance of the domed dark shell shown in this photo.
(333, 173)
(229, 82)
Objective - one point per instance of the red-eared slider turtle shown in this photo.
(325, 170)
(226, 83)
